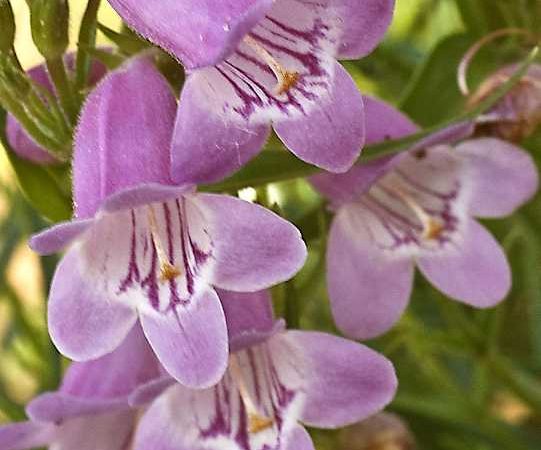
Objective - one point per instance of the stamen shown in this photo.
(256, 421)
(168, 271)
(432, 227)
(286, 79)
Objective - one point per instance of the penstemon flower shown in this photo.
(419, 211)
(275, 379)
(18, 138)
(253, 63)
(142, 248)
(91, 410)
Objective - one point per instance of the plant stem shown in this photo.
(59, 76)
(87, 39)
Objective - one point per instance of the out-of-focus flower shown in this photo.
(275, 379)
(254, 63)
(383, 431)
(518, 114)
(145, 249)
(419, 211)
(90, 411)
(18, 138)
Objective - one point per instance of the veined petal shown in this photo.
(364, 25)
(26, 435)
(84, 324)
(253, 247)
(346, 381)
(200, 34)
(115, 150)
(474, 271)
(283, 69)
(270, 377)
(332, 134)
(190, 340)
(206, 147)
(369, 288)
(382, 122)
(504, 176)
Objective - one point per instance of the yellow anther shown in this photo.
(256, 421)
(168, 271)
(286, 79)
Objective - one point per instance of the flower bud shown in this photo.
(383, 431)
(7, 25)
(50, 25)
(518, 114)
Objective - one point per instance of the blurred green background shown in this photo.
(469, 380)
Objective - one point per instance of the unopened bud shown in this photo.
(383, 431)
(50, 26)
(518, 114)
(7, 26)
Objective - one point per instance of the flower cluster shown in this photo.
(162, 296)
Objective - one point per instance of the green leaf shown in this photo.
(36, 182)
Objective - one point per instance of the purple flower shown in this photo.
(275, 379)
(254, 63)
(90, 411)
(418, 210)
(18, 138)
(145, 249)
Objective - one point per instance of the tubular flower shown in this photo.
(254, 63)
(90, 411)
(145, 249)
(18, 138)
(275, 379)
(419, 211)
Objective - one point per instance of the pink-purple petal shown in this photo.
(253, 247)
(347, 381)
(364, 25)
(299, 439)
(504, 176)
(369, 289)
(382, 122)
(198, 34)
(330, 136)
(83, 323)
(190, 340)
(115, 150)
(26, 435)
(474, 271)
(206, 146)
(59, 236)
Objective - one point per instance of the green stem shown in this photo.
(59, 76)
(87, 39)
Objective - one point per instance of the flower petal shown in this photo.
(190, 340)
(199, 34)
(364, 23)
(332, 135)
(474, 271)
(207, 147)
(347, 381)
(513, 168)
(83, 323)
(253, 247)
(299, 439)
(26, 435)
(107, 431)
(115, 150)
(383, 122)
(369, 289)
(59, 236)
(150, 391)
(249, 317)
